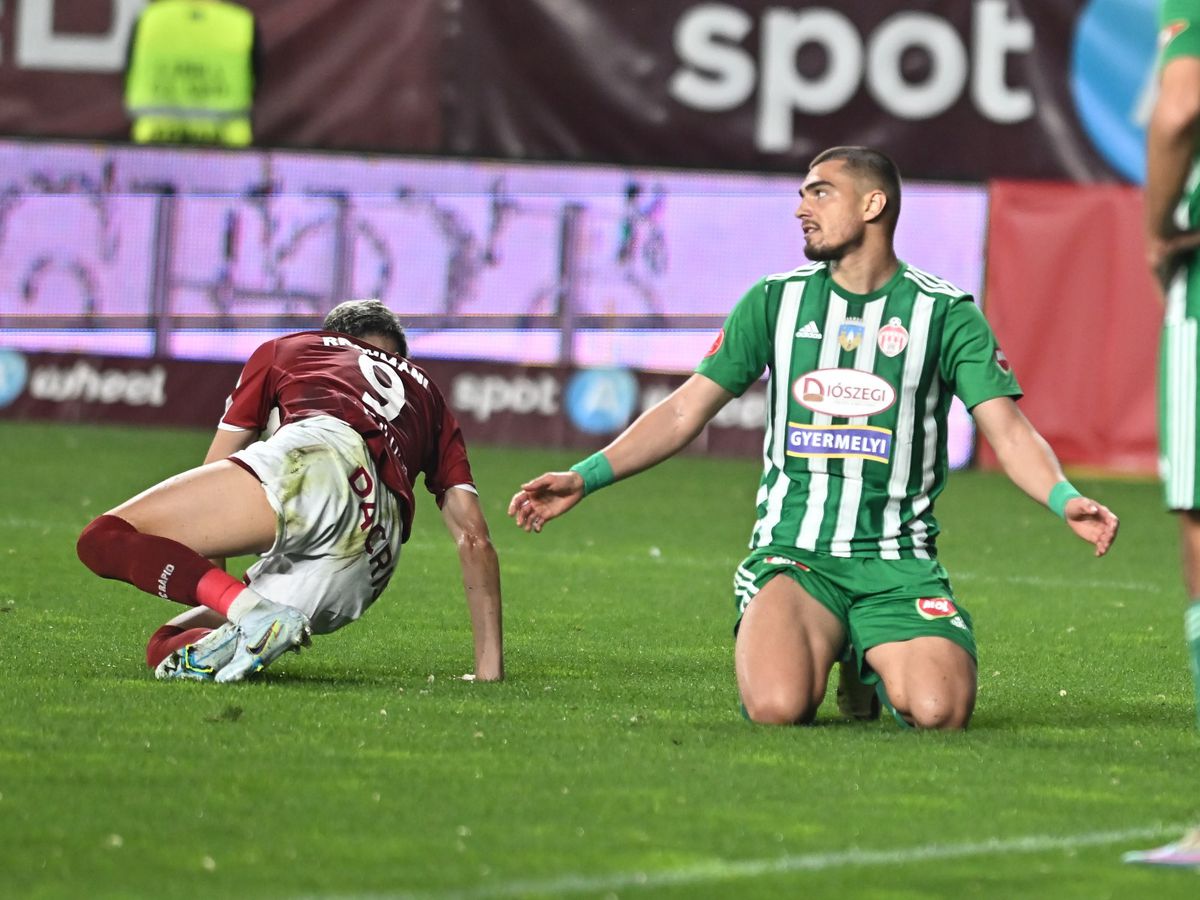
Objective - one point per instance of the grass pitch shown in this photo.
(613, 762)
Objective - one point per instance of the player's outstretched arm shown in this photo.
(225, 443)
(1170, 143)
(544, 498)
(1028, 460)
(659, 432)
(481, 579)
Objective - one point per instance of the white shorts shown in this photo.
(337, 540)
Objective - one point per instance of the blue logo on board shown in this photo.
(601, 401)
(1114, 79)
(13, 374)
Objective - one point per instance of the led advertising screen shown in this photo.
(202, 254)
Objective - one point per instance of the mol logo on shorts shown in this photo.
(936, 607)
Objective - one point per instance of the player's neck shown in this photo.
(865, 270)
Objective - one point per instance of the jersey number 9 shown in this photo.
(386, 383)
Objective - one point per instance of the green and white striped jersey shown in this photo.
(1178, 38)
(860, 385)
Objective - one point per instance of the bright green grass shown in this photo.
(613, 762)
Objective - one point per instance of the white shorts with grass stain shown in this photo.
(337, 540)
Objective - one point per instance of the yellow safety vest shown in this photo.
(191, 75)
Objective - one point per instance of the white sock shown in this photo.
(245, 602)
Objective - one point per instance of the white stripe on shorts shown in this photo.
(1180, 410)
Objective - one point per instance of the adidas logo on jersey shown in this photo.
(810, 331)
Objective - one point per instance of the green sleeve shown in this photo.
(972, 363)
(742, 349)
(1179, 36)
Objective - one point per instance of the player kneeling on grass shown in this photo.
(864, 353)
(327, 501)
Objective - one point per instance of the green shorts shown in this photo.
(878, 601)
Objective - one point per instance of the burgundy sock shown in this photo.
(112, 548)
(169, 638)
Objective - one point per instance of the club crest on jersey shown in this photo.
(716, 345)
(850, 334)
(843, 392)
(936, 608)
(893, 338)
(839, 442)
(1002, 361)
(1170, 31)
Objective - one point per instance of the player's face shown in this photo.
(831, 211)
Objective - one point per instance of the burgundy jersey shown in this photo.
(397, 409)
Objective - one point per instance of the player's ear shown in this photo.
(874, 205)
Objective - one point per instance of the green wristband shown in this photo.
(1060, 494)
(597, 472)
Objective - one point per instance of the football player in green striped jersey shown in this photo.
(864, 354)
(1172, 205)
(1172, 209)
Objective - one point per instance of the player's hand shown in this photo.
(1163, 252)
(1092, 521)
(546, 497)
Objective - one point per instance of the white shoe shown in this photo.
(1183, 852)
(855, 700)
(202, 660)
(265, 634)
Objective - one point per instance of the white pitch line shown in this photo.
(722, 870)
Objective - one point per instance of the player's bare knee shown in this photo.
(779, 708)
(939, 712)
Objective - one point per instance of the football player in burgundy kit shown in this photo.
(326, 501)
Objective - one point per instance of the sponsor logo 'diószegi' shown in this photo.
(843, 392)
(601, 401)
(1113, 79)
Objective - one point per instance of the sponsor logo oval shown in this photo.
(937, 608)
(843, 392)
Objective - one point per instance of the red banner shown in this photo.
(1076, 312)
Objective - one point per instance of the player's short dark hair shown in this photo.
(360, 318)
(874, 167)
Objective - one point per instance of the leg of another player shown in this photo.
(786, 646)
(1189, 534)
(929, 680)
